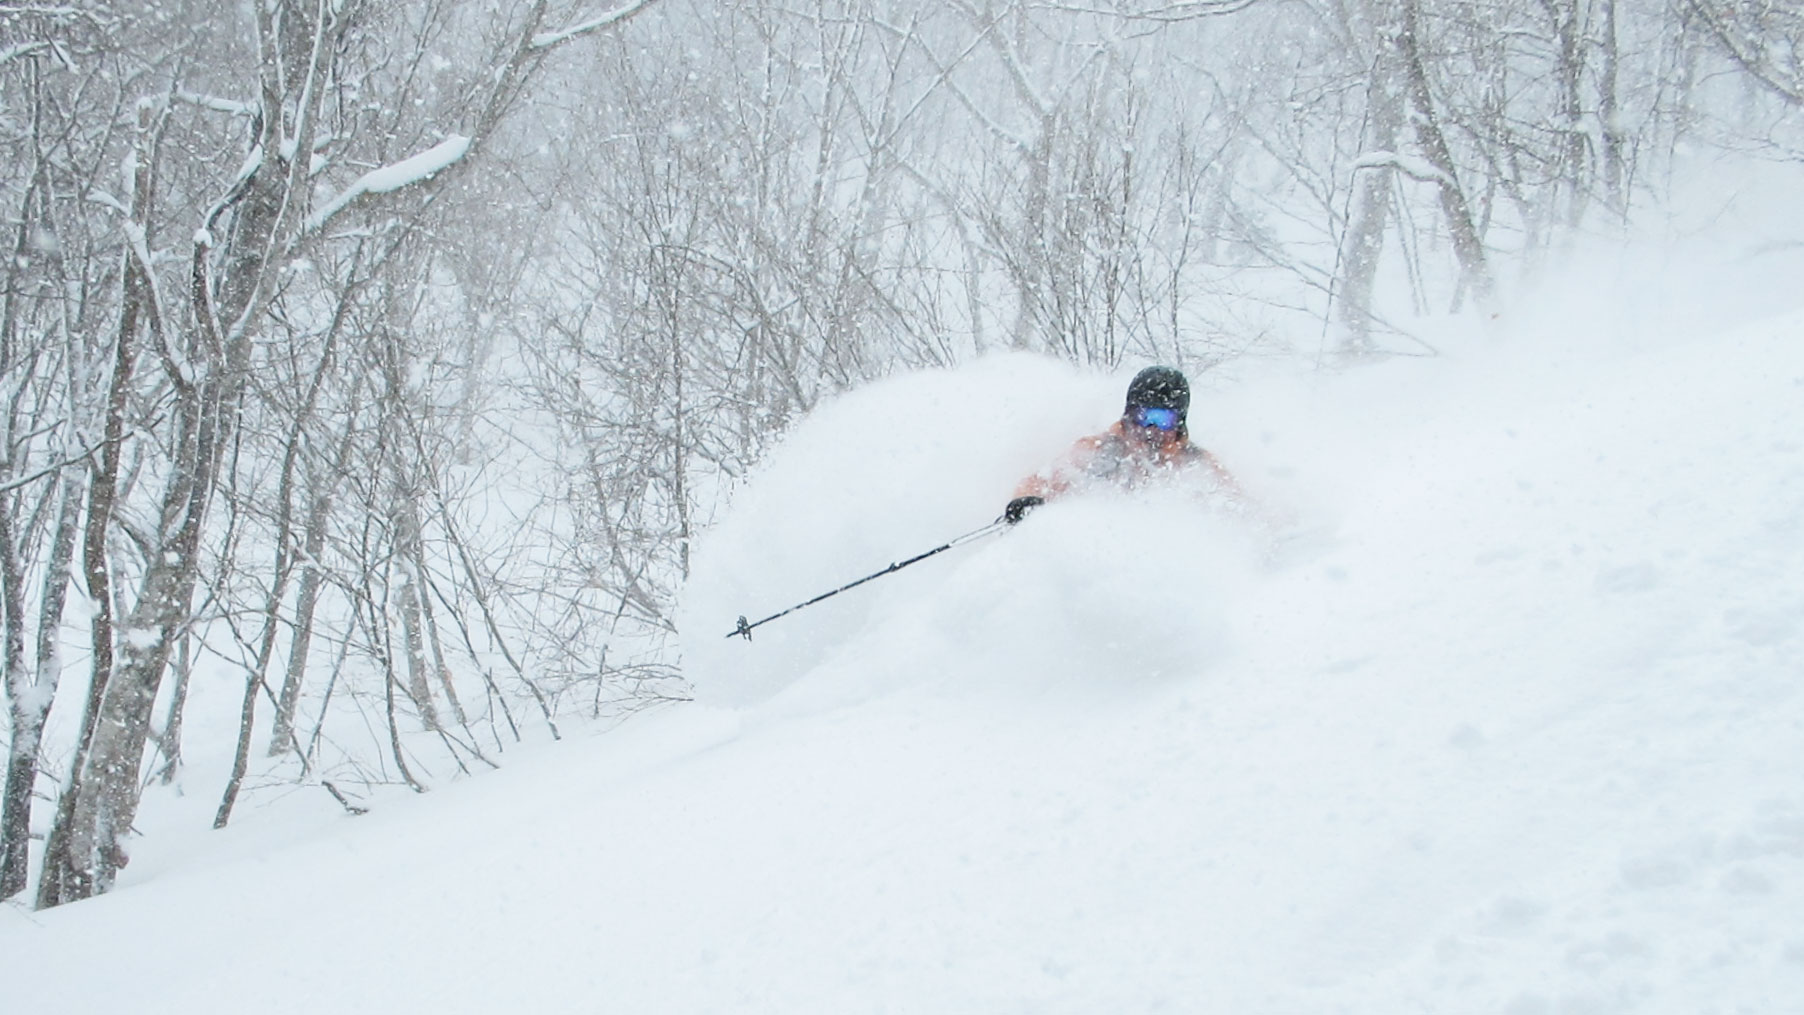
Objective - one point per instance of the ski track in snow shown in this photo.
(1509, 722)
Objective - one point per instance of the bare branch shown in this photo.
(1746, 43)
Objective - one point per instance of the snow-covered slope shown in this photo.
(1510, 721)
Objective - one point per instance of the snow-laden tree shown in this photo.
(262, 144)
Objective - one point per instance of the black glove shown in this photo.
(1019, 507)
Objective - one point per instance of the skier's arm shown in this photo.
(1059, 477)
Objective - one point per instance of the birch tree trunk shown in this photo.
(1369, 208)
(1468, 247)
(59, 878)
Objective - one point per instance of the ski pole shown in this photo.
(744, 629)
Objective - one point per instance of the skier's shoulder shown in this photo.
(1084, 449)
(1097, 441)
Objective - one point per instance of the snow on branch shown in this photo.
(56, 11)
(546, 40)
(1182, 10)
(401, 174)
(1409, 165)
(12, 53)
(217, 104)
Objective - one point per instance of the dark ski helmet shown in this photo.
(1159, 388)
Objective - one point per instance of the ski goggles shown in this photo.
(1162, 419)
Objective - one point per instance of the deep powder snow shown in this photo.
(1507, 719)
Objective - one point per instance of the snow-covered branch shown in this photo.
(1183, 10)
(58, 11)
(12, 53)
(108, 201)
(180, 369)
(1412, 166)
(394, 177)
(217, 104)
(546, 40)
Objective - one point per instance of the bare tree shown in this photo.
(1369, 201)
(1764, 39)
(1468, 246)
(202, 347)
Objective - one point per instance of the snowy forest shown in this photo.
(376, 364)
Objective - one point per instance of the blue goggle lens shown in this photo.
(1164, 419)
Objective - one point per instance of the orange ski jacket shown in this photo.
(1126, 457)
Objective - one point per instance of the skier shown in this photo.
(1149, 441)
